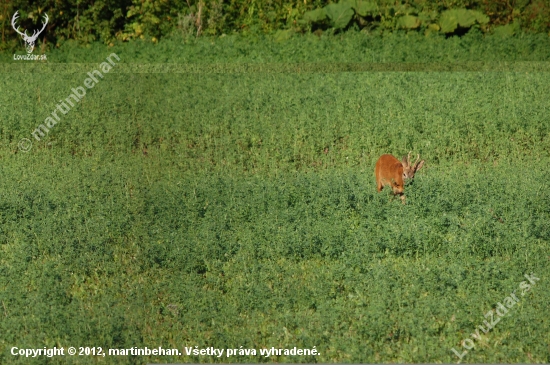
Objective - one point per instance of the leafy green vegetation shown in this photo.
(232, 207)
(339, 15)
(110, 21)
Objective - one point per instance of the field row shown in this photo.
(346, 47)
(285, 122)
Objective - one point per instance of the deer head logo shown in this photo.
(29, 40)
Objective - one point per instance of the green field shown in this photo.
(227, 205)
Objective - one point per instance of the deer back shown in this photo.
(389, 171)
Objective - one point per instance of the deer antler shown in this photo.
(416, 162)
(44, 24)
(34, 34)
(15, 16)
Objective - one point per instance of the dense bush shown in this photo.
(109, 20)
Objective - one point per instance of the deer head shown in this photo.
(29, 40)
(410, 169)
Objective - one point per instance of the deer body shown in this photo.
(390, 171)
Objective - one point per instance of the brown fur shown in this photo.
(390, 171)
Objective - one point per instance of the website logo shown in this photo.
(30, 40)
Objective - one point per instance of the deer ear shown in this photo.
(404, 161)
(419, 166)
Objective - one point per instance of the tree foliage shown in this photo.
(110, 20)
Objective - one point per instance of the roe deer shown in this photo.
(390, 171)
